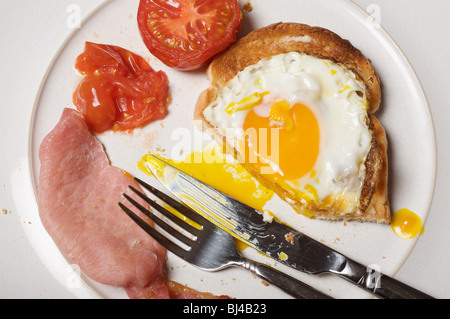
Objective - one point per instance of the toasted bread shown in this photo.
(320, 43)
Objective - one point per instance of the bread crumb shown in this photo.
(265, 283)
(289, 238)
(160, 149)
(247, 7)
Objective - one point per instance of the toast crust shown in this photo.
(295, 37)
(321, 43)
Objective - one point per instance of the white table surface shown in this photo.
(30, 38)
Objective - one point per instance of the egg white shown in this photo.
(339, 104)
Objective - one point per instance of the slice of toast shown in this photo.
(320, 43)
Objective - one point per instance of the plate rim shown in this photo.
(421, 92)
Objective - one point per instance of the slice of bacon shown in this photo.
(78, 195)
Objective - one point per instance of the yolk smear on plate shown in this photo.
(406, 224)
(213, 167)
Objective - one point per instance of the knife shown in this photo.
(276, 240)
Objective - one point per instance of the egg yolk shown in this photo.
(287, 141)
(406, 224)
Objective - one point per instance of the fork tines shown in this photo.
(162, 239)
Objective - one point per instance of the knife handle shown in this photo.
(379, 284)
(290, 285)
(394, 289)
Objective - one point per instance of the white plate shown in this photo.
(404, 114)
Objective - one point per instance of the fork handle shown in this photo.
(290, 285)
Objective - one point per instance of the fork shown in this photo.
(208, 247)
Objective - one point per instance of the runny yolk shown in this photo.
(406, 224)
(287, 141)
(212, 168)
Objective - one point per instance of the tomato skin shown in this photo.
(94, 101)
(120, 90)
(186, 34)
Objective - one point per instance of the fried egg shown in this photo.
(301, 123)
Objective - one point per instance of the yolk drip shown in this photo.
(182, 217)
(246, 103)
(406, 224)
(293, 136)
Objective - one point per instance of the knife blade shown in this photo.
(276, 240)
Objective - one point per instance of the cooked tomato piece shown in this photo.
(185, 34)
(120, 90)
(94, 101)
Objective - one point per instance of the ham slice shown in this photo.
(78, 195)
